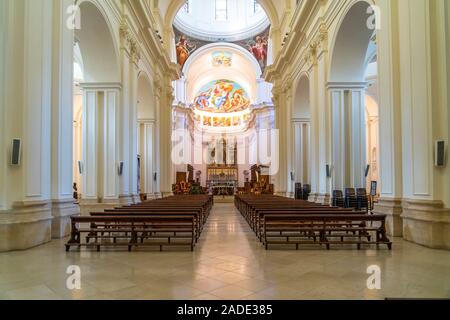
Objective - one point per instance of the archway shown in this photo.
(351, 56)
(301, 126)
(96, 101)
(147, 164)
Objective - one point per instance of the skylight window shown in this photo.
(187, 6)
(221, 10)
(256, 7)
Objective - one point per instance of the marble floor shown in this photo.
(228, 263)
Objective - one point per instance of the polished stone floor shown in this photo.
(229, 263)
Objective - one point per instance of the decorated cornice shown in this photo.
(130, 43)
(150, 43)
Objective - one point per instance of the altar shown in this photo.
(222, 180)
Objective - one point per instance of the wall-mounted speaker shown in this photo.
(292, 176)
(16, 151)
(80, 167)
(367, 171)
(439, 157)
(328, 171)
(121, 168)
(155, 177)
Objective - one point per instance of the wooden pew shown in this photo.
(255, 209)
(299, 229)
(134, 229)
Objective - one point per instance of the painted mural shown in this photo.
(222, 59)
(222, 96)
(257, 46)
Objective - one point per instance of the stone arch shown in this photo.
(349, 53)
(99, 49)
(351, 49)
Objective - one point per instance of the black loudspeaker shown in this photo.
(328, 168)
(298, 191)
(80, 167)
(16, 152)
(367, 171)
(121, 168)
(155, 176)
(440, 154)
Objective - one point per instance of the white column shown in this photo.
(100, 143)
(340, 164)
(124, 128)
(423, 53)
(147, 151)
(110, 151)
(4, 11)
(321, 126)
(90, 145)
(62, 122)
(281, 178)
(348, 114)
(301, 154)
(390, 136)
(26, 114)
(133, 125)
(166, 163)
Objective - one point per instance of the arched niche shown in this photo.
(97, 46)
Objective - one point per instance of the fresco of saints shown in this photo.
(183, 50)
(221, 95)
(203, 100)
(259, 50)
(238, 102)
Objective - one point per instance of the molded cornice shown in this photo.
(150, 42)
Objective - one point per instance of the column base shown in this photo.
(62, 210)
(426, 223)
(392, 208)
(324, 199)
(166, 194)
(312, 197)
(26, 225)
(95, 205)
(127, 199)
(290, 195)
(281, 194)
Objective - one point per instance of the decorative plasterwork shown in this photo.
(130, 43)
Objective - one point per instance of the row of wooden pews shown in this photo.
(283, 221)
(173, 221)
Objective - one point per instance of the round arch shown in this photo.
(99, 49)
(245, 70)
(225, 45)
(349, 53)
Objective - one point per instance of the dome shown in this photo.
(221, 20)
